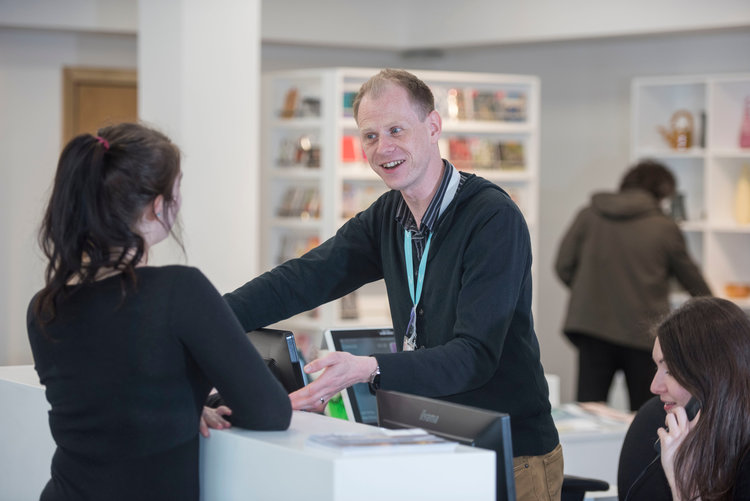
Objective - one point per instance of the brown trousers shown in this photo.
(539, 478)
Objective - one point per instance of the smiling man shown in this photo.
(455, 254)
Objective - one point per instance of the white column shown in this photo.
(199, 82)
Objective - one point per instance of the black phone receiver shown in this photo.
(691, 409)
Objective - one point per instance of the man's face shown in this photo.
(398, 145)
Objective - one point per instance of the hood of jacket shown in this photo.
(626, 204)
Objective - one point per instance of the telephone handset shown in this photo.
(691, 409)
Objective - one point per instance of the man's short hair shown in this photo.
(419, 93)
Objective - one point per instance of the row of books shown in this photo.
(472, 153)
(300, 202)
(459, 103)
(356, 197)
(468, 103)
(467, 153)
(304, 203)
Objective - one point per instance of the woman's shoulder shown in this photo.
(176, 274)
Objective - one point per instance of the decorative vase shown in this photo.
(742, 197)
(745, 129)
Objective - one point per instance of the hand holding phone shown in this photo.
(691, 409)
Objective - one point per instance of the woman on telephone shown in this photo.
(702, 353)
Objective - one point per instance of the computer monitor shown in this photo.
(358, 401)
(279, 350)
(464, 424)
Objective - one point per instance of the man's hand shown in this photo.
(340, 370)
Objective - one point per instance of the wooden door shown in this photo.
(95, 97)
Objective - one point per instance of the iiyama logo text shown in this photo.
(428, 418)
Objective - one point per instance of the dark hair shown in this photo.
(419, 93)
(652, 176)
(102, 186)
(706, 345)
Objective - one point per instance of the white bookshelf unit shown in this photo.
(708, 171)
(315, 176)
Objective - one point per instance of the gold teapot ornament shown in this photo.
(680, 133)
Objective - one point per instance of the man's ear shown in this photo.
(435, 123)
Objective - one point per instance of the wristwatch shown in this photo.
(375, 379)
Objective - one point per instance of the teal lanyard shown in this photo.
(415, 294)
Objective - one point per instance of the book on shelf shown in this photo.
(301, 151)
(300, 202)
(351, 149)
(480, 104)
(356, 197)
(511, 154)
(473, 153)
(512, 106)
(456, 104)
(349, 306)
(381, 441)
(347, 102)
(486, 105)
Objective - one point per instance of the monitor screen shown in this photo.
(279, 350)
(464, 424)
(358, 401)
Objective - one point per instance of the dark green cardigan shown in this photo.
(474, 318)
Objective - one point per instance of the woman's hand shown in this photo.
(671, 438)
(214, 418)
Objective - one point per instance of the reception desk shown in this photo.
(239, 464)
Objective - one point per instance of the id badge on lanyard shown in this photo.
(410, 336)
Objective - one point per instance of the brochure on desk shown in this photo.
(381, 442)
(589, 417)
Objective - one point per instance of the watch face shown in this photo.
(375, 375)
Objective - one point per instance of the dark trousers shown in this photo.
(598, 361)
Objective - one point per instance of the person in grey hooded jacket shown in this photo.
(618, 259)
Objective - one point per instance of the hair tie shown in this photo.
(102, 141)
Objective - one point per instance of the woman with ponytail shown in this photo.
(128, 352)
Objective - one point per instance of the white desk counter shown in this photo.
(591, 444)
(239, 464)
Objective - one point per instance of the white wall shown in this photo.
(414, 24)
(31, 65)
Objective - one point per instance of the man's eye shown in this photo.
(396, 130)
(369, 137)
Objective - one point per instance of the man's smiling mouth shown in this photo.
(391, 165)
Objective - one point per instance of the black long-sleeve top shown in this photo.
(475, 328)
(127, 377)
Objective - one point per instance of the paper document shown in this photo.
(382, 441)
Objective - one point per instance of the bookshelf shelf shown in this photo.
(311, 141)
(707, 173)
